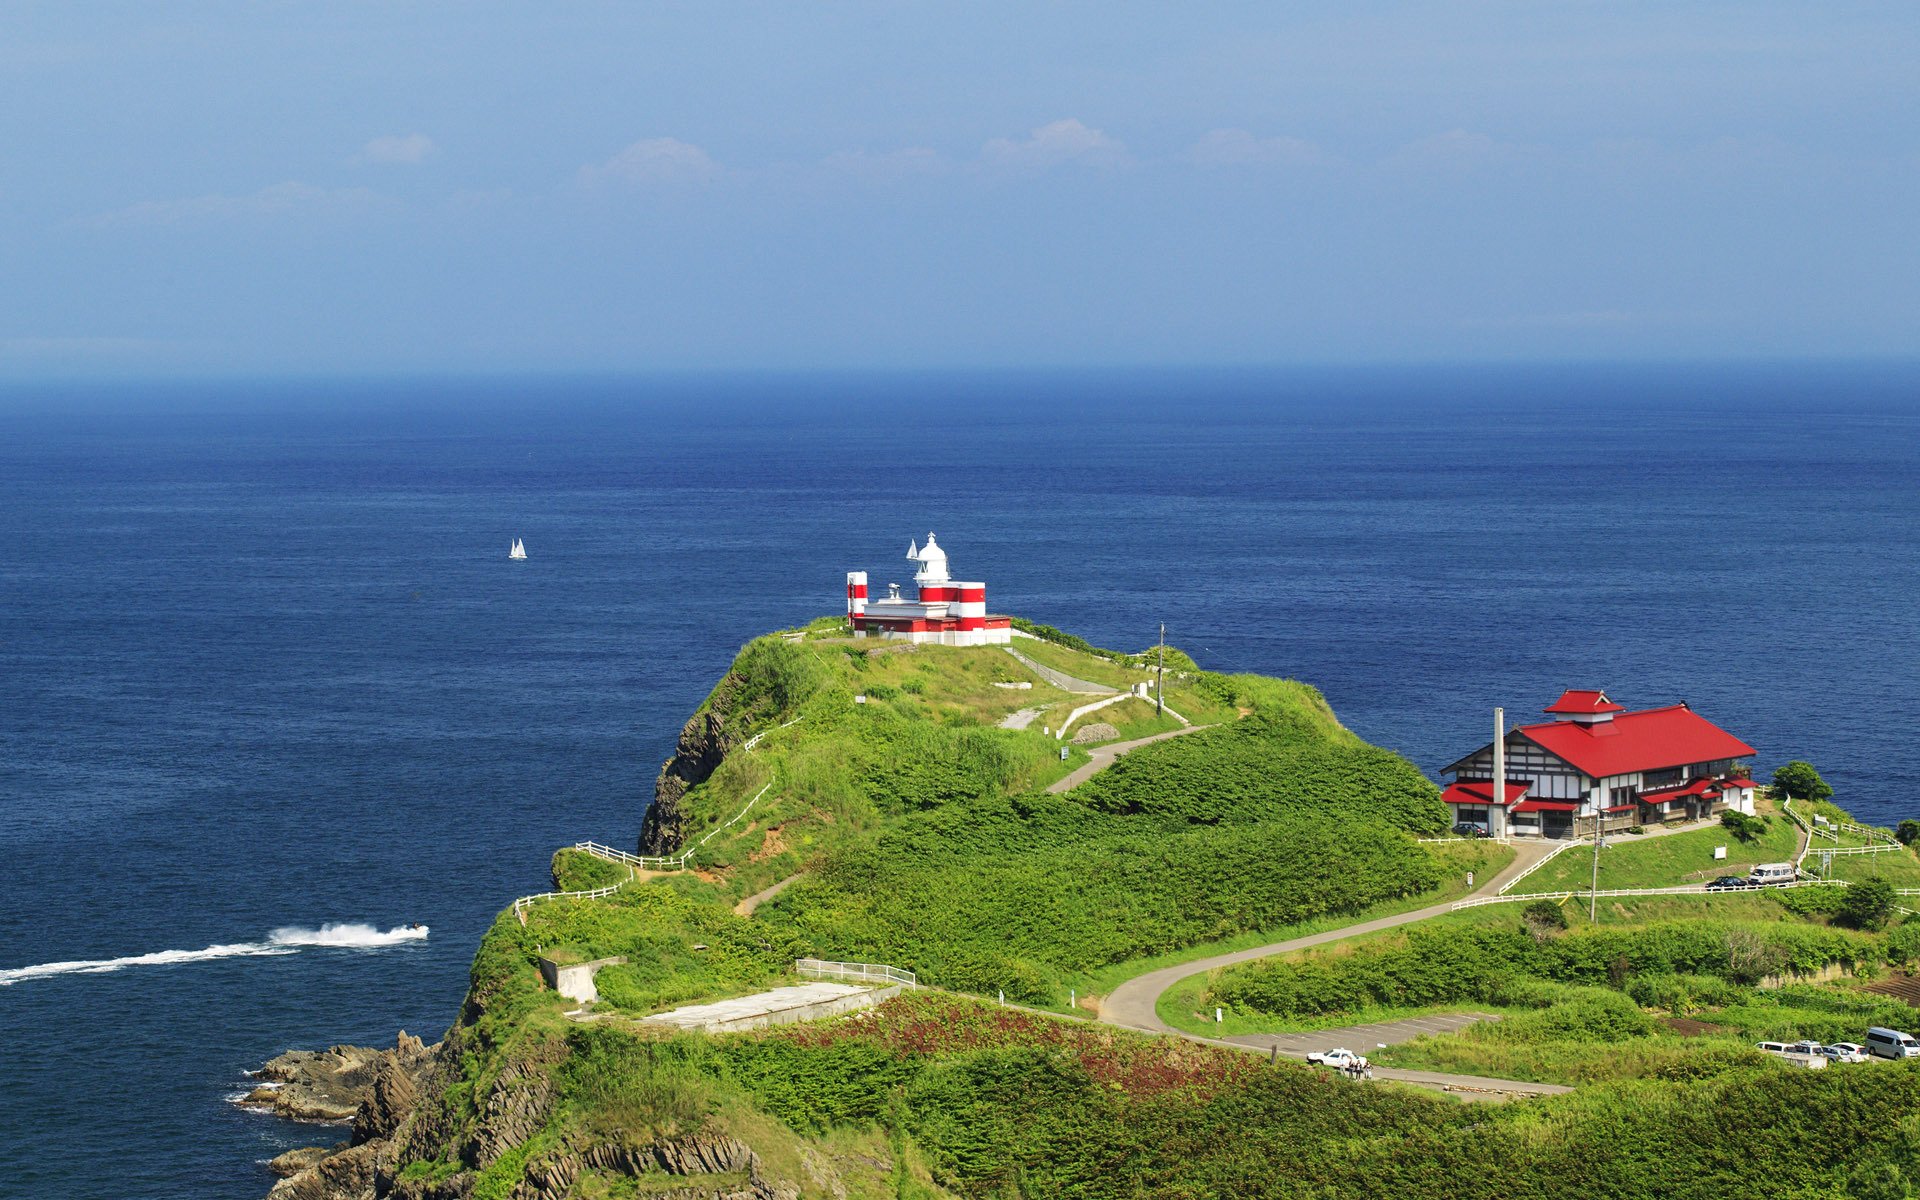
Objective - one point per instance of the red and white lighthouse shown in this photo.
(947, 612)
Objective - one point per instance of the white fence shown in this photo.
(864, 972)
(1690, 889)
(1550, 856)
(644, 862)
(521, 905)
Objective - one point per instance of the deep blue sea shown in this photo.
(264, 664)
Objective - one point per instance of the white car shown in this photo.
(1333, 1058)
(1845, 1052)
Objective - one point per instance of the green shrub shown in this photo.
(1262, 768)
(983, 916)
(1867, 904)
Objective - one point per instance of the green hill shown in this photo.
(850, 800)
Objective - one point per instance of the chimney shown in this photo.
(1499, 762)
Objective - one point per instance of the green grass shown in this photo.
(1666, 860)
(1454, 860)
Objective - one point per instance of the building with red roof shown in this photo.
(1597, 761)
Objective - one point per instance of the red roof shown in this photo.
(1651, 740)
(1698, 787)
(1621, 808)
(1580, 700)
(1739, 783)
(1527, 806)
(1480, 791)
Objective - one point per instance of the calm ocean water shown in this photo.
(264, 663)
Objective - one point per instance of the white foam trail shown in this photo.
(288, 940)
(346, 935)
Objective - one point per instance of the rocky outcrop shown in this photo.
(704, 742)
(730, 1167)
(378, 1090)
(315, 1085)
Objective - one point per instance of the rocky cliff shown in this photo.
(706, 739)
(392, 1127)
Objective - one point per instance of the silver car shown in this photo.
(1845, 1052)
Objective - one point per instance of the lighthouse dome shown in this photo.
(933, 563)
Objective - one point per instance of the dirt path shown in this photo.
(1102, 757)
(745, 907)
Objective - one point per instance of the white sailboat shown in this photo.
(519, 549)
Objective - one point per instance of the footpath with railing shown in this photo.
(636, 863)
(821, 968)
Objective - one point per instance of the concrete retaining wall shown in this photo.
(575, 980)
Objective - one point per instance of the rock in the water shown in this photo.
(295, 1161)
(330, 1084)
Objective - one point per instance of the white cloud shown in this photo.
(1238, 148)
(410, 149)
(1054, 143)
(278, 200)
(653, 161)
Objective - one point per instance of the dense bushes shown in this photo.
(1258, 769)
(982, 920)
(1438, 965)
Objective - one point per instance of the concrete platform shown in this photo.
(781, 1006)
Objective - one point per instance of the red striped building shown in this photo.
(947, 612)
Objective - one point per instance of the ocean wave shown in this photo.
(286, 940)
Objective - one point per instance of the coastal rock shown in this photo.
(295, 1161)
(346, 1175)
(704, 742)
(316, 1085)
(692, 1157)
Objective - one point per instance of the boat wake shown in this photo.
(290, 939)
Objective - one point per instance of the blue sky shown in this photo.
(280, 187)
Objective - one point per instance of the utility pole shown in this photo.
(1160, 675)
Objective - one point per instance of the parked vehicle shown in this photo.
(1768, 874)
(1472, 829)
(1333, 1058)
(1807, 1046)
(1795, 1053)
(1891, 1043)
(1845, 1052)
(1729, 883)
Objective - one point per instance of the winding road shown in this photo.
(1134, 1004)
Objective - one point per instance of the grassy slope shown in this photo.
(1666, 861)
(920, 825)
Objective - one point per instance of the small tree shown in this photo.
(1908, 833)
(1741, 825)
(1799, 781)
(1867, 904)
(1543, 919)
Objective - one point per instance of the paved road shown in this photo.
(1133, 1003)
(1062, 680)
(1101, 757)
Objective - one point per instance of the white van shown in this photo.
(1768, 873)
(1891, 1043)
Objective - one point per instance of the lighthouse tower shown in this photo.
(947, 612)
